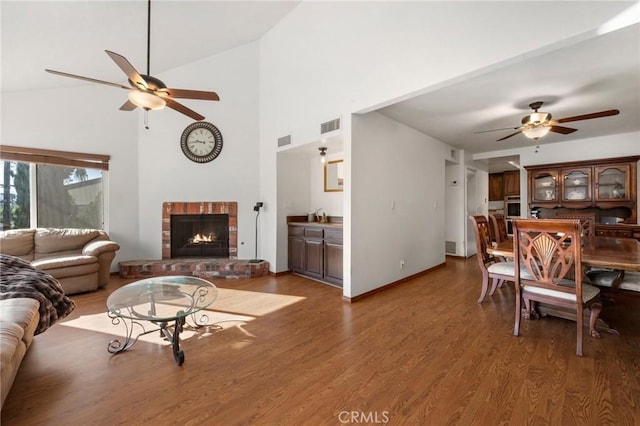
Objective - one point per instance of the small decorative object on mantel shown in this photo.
(201, 142)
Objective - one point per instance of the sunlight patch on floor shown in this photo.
(232, 309)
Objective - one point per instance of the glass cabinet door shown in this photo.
(545, 187)
(576, 184)
(612, 182)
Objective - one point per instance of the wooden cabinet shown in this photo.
(316, 251)
(613, 183)
(543, 188)
(606, 184)
(496, 187)
(511, 183)
(577, 185)
(333, 256)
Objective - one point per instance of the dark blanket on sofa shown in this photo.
(19, 279)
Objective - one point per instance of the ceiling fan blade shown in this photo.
(183, 109)
(193, 94)
(128, 69)
(562, 129)
(508, 136)
(128, 106)
(606, 113)
(495, 130)
(93, 80)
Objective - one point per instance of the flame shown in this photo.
(198, 238)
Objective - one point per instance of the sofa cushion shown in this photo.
(53, 240)
(55, 262)
(17, 242)
(18, 320)
(22, 312)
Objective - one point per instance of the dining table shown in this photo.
(599, 252)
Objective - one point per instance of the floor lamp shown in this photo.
(256, 208)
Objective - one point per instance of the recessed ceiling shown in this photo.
(71, 36)
(595, 74)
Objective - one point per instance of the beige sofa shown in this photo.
(80, 259)
(18, 321)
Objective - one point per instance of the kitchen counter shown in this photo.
(316, 224)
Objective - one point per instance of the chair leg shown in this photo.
(579, 321)
(516, 326)
(485, 285)
(595, 308)
(494, 285)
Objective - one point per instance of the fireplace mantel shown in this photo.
(197, 208)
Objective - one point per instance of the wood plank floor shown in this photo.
(290, 351)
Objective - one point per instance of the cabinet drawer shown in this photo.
(333, 235)
(296, 230)
(313, 232)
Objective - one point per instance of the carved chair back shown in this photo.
(587, 221)
(483, 240)
(499, 225)
(549, 250)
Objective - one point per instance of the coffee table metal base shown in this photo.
(116, 346)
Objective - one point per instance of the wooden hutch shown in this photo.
(607, 187)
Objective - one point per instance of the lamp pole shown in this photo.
(256, 208)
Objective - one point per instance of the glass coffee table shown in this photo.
(160, 300)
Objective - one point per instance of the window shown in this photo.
(58, 189)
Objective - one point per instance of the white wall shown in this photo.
(397, 196)
(165, 174)
(84, 119)
(455, 207)
(329, 59)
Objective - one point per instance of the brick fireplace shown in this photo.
(204, 267)
(229, 208)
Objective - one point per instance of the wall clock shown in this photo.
(201, 142)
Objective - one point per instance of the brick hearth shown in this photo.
(204, 268)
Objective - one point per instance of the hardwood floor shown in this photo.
(290, 351)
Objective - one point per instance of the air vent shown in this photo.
(330, 126)
(450, 247)
(285, 140)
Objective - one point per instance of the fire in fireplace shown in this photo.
(200, 235)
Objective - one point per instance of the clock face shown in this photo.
(201, 142)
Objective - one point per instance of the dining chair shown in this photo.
(550, 251)
(499, 225)
(490, 266)
(587, 221)
(601, 277)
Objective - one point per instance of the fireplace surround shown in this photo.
(226, 209)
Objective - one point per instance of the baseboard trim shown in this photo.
(393, 284)
(279, 274)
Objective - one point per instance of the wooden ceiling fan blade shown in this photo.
(562, 129)
(193, 94)
(508, 136)
(92, 80)
(496, 130)
(128, 106)
(183, 109)
(132, 74)
(606, 113)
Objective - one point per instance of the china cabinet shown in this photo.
(607, 186)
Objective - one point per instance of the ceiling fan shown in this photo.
(539, 124)
(145, 91)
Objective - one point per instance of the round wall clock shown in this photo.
(201, 142)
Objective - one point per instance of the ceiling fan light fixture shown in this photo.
(536, 118)
(146, 100)
(536, 132)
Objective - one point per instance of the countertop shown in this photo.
(317, 224)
